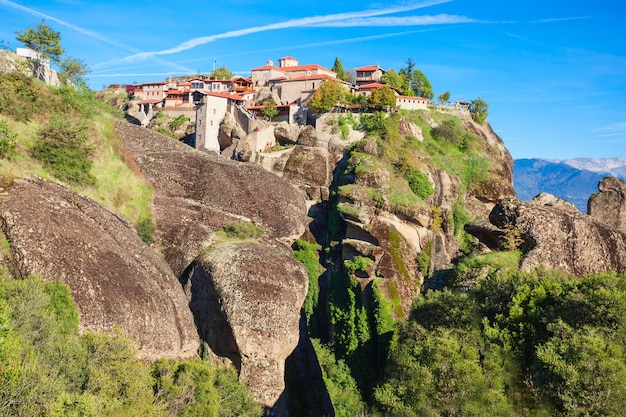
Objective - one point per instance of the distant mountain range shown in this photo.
(573, 180)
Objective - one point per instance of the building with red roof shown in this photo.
(368, 74)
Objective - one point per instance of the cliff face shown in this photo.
(196, 194)
(114, 277)
(246, 298)
(365, 181)
(556, 236)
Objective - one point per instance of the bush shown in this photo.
(19, 96)
(63, 149)
(8, 140)
(419, 183)
(359, 263)
(179, 121)
(145, 228)
(243, 230)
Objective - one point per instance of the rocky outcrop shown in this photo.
(246, 298)
(549, 200)
(609, 205)
(556, 238)
(196, 194)
(114, 277)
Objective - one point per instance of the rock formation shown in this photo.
(609, 205)
(246, 298)
(114, 277)
(555, 238)
(196, 194)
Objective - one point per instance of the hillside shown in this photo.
(144, 277)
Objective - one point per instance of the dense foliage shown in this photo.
(48, 368)
(330, 93)
(539, 343)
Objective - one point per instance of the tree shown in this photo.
(382, 97)
(420, 85)
(479, 110)
(73, 71)
(270, 109)
(444, 97)
(330, 93)
(45, 42)
(397, 80)
(340, 71)
(221, 73)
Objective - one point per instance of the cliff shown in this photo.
(114, 277)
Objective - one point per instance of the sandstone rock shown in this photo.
(197, 194)
(309, 169)
(114, 277)
(287, 134)
(558, 239)
(246, 298)
(609, 205)
(309, 137)
(545, 199)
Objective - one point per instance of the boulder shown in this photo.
(558, 239)
(196, 194)
(609, 205)
(549, 200)
(115, 279)
(246, 298)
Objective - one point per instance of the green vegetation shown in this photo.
(270, 110)
(48, 368)
(419, 183)
(72, 140)
(308, 255)
(241, 229)
(342, 74)
(358, 264)
(221, 73)
(479, 110)
(382, 98)
(518, 344)
(146, 228)
(341, 386)
(8, 140)
(62, 145)
(179, 121)
(330, 93)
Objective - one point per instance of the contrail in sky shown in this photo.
(439, 19)
(305, 21)
(89, 33)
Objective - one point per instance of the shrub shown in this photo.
(62, 147)
(419, 183)
(179, 121)
(243, 230)
(145, 228)
(8, 140)
(359, 263)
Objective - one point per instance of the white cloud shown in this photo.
(305, 21)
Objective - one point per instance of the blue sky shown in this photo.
(552, 72)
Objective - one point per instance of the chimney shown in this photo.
(270, 63)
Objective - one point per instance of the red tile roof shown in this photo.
(308, 77)
(369, 68)
(291, 69)
(372, 86)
